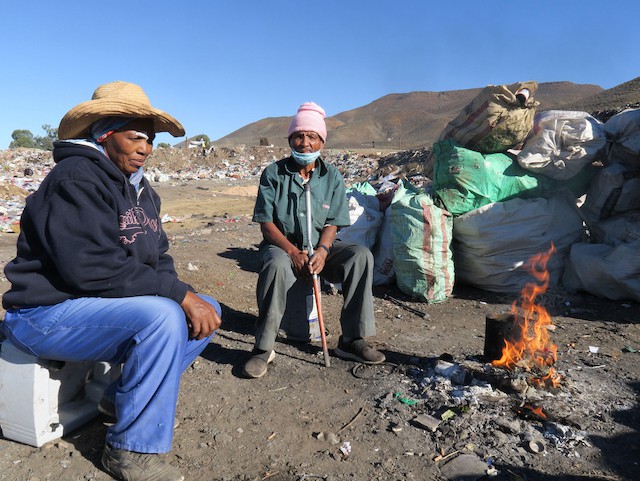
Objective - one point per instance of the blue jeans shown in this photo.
(147, 334)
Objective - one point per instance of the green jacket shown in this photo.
(281, 200)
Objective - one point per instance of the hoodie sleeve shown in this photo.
(78, 227)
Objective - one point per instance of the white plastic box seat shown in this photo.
(300, 319)
(42, 400)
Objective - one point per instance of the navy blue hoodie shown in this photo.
(85, 233)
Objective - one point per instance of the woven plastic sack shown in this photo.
(623, 134)
(364, 215)
(614, 190)
(464, 180)
(421, 234)
(619, 229)
(493, 244)
(497, 119)
(383, 270)
(611, 272)
(562, 143)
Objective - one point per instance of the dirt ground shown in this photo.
(232, 428)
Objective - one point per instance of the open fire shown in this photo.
(528, 346)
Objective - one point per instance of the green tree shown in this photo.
(200, 137)
(163, 145)
(46, 142)
(22, 138)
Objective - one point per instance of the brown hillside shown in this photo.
(398, 121)
(608, 102)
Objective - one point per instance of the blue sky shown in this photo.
(219, 65)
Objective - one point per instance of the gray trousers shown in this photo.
(349, 264)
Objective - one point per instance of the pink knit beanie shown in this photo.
(310, 117)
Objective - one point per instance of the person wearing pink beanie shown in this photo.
(310, 116)
(281, 212)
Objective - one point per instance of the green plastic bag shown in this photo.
(464, 180)
(421, 235)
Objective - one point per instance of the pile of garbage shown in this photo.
(503, 184)
(244, 162)
(471, 424)
(22, 170)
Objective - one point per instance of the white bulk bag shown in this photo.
(365, 218)
(623, 134)
(612, 272)
(492, 244)
(613, 190)
(619, 229)
(561, 143)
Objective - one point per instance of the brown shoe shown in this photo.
(256, 366)
(358, 350)
(131, 466)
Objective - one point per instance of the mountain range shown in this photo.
(414, 120)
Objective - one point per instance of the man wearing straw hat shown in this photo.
(280, 210)
(92, 280)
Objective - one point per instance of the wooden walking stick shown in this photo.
(316, 283)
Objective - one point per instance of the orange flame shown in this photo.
(532, 347)
(535, 411)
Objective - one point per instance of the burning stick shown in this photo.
(530, 346)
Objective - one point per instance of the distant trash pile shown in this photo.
(23, 170)
(509, 183)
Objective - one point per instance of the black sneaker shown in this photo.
(131, 466)
(358, 350)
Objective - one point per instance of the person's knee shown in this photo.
(278, 263)
(168, 319)
(361, 255)
(213, 302)
(277, 267)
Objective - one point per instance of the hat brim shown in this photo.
(76, 124)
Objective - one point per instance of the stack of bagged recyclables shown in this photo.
(511, 178)
(609, 265)
(409, 236)
(413, 238)
(507, 185)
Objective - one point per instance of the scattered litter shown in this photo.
(405, 400)
(426, 421)
(535, 446)
(594, 349)
(448, 414)
(465, 467)
(565, 438)
(345, 449)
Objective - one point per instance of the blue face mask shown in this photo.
(305, 159)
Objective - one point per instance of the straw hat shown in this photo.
(115, 99)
